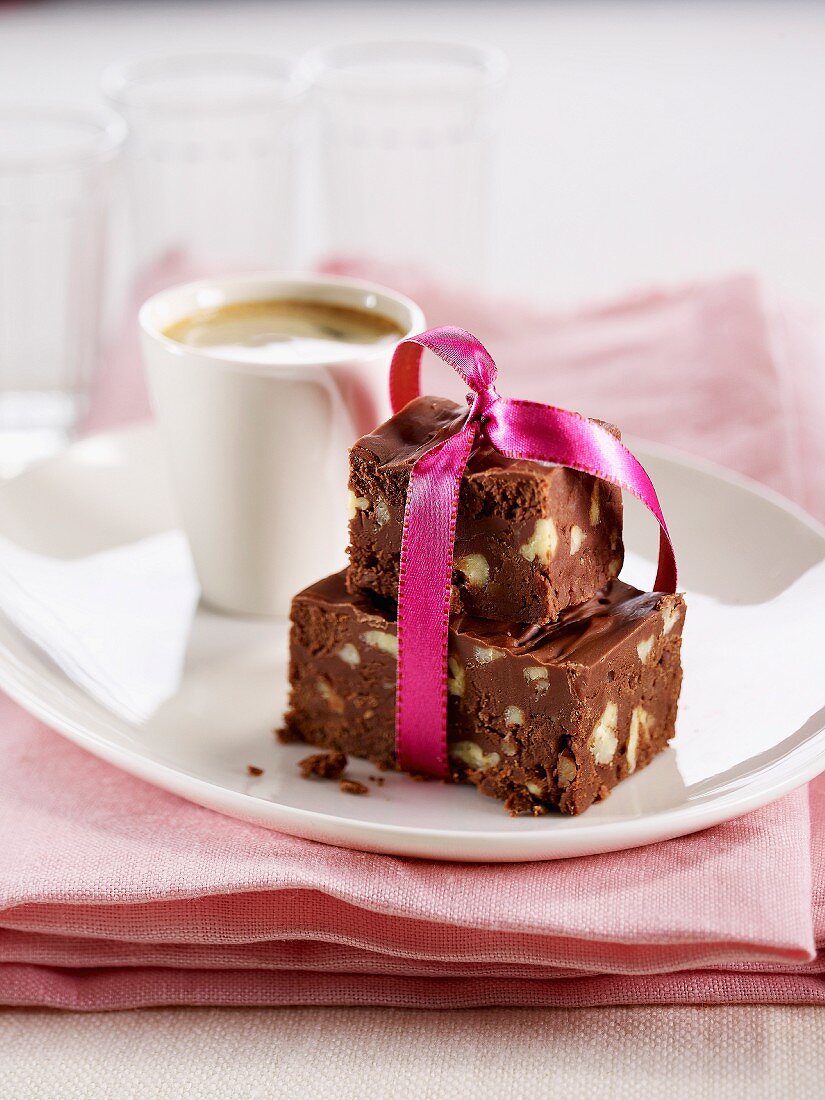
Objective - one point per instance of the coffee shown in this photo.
(285, 331)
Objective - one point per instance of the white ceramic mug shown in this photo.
(258, 453)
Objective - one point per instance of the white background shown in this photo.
(643, 142)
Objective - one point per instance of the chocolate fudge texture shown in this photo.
(531, 538)
(544, 717)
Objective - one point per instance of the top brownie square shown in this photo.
(531, 538)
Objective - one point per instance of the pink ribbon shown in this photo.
(517, 429)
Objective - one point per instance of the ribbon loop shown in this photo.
(518, 430)
(459, 349)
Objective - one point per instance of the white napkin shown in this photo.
(116, 623)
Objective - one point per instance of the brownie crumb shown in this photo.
(519, 802)
(252, 770)
(286, 735)
(378, 780)
(325, 765)
(352, 786)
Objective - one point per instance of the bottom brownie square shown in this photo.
(548, 717)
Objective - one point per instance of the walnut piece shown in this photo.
(357, 504)
(645, 648)
(641, 724)
(382, 512)
(594, 505)
(576, 539)
(537, 675)
(475, 569)
(380, 639)
(485, 655)
(542, 543)
(330, 696)
(670, 615)
(604, 739)
(349, 654)
(513, 716)
(455, 677)
(566, 770)
(509, 746)
(471, 754)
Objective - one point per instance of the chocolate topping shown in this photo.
(581, 632)
(405, 437)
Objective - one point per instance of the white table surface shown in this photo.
(360, 1053)
(643, 143)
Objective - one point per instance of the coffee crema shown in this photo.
(285, 331)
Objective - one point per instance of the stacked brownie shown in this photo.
(562, 679)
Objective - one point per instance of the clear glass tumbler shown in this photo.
(55, 168)
(210, 158)
(405, 144)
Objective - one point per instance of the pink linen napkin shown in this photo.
(114, 894)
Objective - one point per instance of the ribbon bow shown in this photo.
(516, 429)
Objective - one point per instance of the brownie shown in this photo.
(546, 717)
(531, 538)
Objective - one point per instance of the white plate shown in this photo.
(751, 717)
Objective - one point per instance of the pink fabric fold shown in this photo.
(115, 895)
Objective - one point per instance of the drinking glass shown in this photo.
(210, 158)
(405, 138)
(55, 167)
